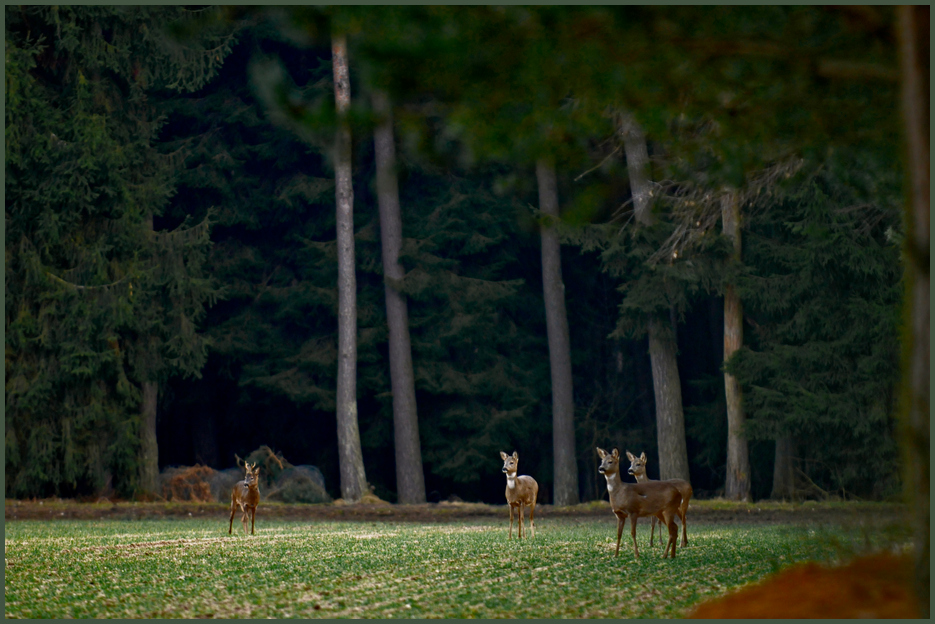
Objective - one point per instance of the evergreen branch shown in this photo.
(600, 164)
(80, 287)
(697, 208)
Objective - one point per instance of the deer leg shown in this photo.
(673, 534)
(621, 520)
(230, 527)
(636, 550)
(532, 510)
(252, 520)
(652, 530)
(684, 528)
(511, 522)
(522, 512)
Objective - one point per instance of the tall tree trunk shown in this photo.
(670, 418)
(149, 446)
(350, 457)
(912, 29)
(563, 404)
(737, 486)
(149, 449)
(410, 480)
(783, 470)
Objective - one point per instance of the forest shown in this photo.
(392, 242)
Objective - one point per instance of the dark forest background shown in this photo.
(170, 233)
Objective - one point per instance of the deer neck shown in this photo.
(511, 480)
(641, 478)
(614, 483)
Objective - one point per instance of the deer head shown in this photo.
(510, 462)
(637, 464)
(610, 462)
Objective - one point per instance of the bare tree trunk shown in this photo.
(783, 470)
(737, 486)
(410, 480)
(350, 457)
(563, 405)
(912, 29)
(670, 418)
(149, 448)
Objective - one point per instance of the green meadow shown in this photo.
(191, 568)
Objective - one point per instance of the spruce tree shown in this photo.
(115, 303)
(822, 284)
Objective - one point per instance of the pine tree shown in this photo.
(670, 420)
(410, 481)
(115, 304)
(563, 400)
(737, 486)
(353, 477)
(821, 290)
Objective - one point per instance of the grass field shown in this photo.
(192, 568)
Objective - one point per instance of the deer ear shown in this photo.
(630, 456)
(616, 454)
(643, 456)
(503, 455)
(601, 452)
(515, 455)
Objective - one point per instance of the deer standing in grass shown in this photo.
(520, 492)
(638, 470)
(639, 499)
(246, 495)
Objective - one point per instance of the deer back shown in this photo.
(645, 499)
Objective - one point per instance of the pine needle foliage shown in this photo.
(821, 288)
(96, 300)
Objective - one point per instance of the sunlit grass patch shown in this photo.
(192, 568)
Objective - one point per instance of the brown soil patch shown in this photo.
(876, 586)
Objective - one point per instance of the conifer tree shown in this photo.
(353, 476)
(563, 403)
(410, 481)
(121, 300)
(737, 486)
(670, 420)
(820, 288)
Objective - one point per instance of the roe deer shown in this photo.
(639, 499)
(638, 470)
(520, 491)
(246, 495)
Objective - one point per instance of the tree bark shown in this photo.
(149, 448)
(783, 470)
(634, 145)
(912, 29)
(350, 456)
(563, 405)
(737, 486)
(410, 480)
(670, 418)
